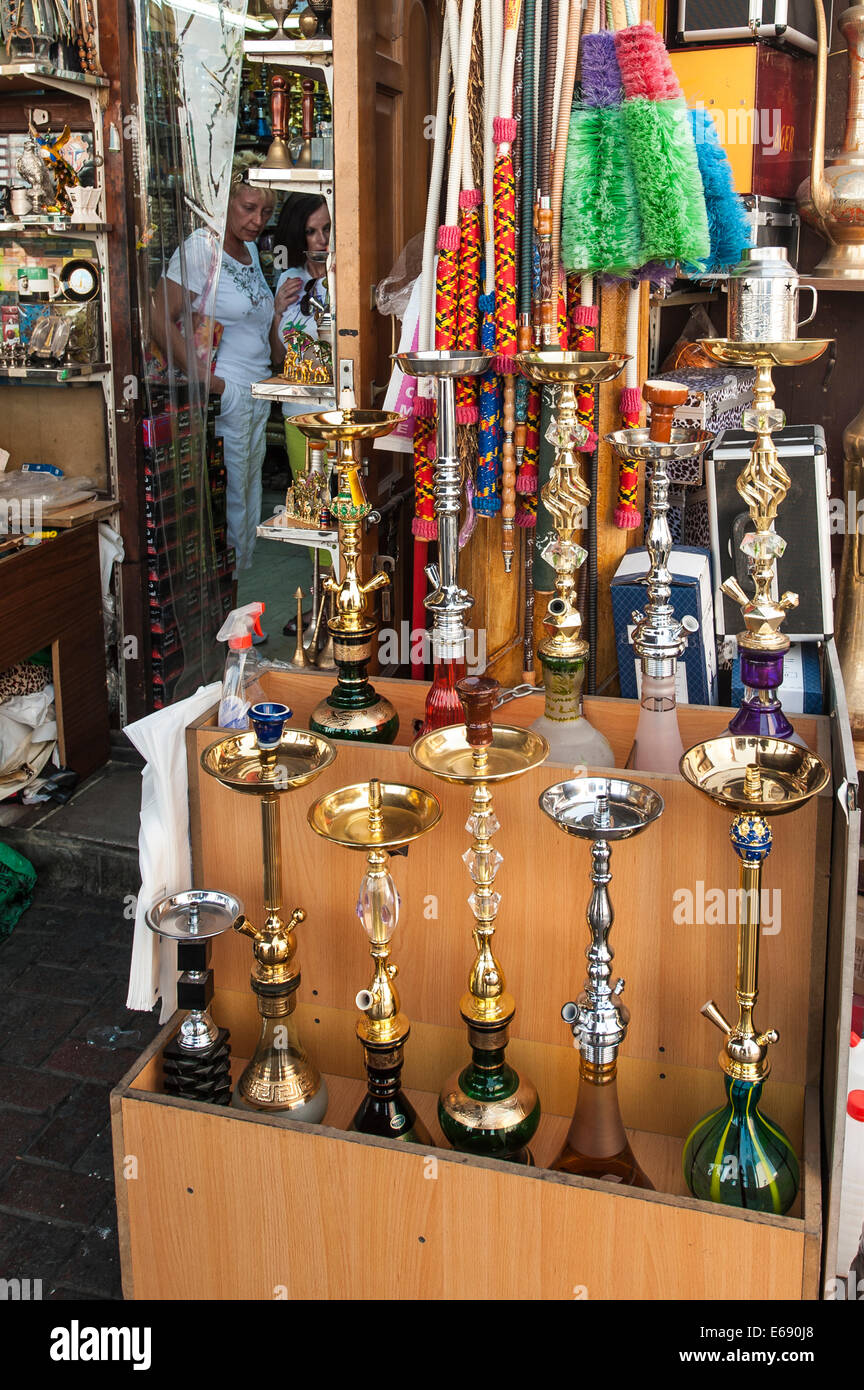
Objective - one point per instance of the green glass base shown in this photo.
(376, 722)
(489, 1111)
(738, 1158)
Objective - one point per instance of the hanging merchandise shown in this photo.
(504, 209)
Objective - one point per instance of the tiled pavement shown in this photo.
(63, 974)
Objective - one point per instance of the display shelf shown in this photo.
(42, 225)
(542, 1234)
(23, 76)
(276, 388)
(275, 530)
(296, 180)
(73, 371)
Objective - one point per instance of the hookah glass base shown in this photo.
(597, 1145)
(487, 1109)
(280, 1076)
(443, 706)
(737, 1157)
(657, 746)
(203, 1075)
(570, 737)
(386, 1111)
(761, 714)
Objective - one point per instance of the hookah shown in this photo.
(380, 819)
(735, 1155)
(448, 603)
(659, 638)
(563, 653)
(353, 709)
(485, 1108)
(763, 484)
(602, 810)
(196, 1063)
(268, 763)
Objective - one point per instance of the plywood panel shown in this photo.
(60, 425)
(385, 1222)
(671, 967)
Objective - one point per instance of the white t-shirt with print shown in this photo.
(238, 297)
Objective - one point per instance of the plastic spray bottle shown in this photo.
(240, 687)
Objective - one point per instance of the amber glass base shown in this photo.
(596, 1145)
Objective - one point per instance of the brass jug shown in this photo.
(832, 199)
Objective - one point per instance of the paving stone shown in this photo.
(35, 1029)
(39, 1249)
(81, 1118)
(53, 1193)
(75, 1057)
(61, 985)
(65, 1295)
(18, 1129)
(98, 1158)
(28, 1089)
(94, 1264)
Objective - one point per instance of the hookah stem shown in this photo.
(747, 961)
(272, 854)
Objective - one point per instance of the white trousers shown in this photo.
(242, 426)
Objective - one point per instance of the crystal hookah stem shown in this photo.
(486, 1108)
(383, 1029)
(763, 484)
(596, 1143)
(735, 1155)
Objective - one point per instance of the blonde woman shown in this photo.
(233, 292)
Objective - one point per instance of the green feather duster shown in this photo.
(580, 211)
(666, 172)
(616, 197)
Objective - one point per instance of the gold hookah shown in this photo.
(353, 709)
(380, 819)
(485, 1108)
(762, 485)
(269, 762)
(734, 1155)
(564, 653)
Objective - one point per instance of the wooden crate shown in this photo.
(228, 1204)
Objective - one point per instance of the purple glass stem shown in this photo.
(760, 716)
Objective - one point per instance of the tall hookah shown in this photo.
(448, 602)
(601, 810)
(564, 652)
(659, 638)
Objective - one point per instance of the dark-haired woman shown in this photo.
(301, 244)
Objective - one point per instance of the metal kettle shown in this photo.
(832, 199)
(763, 294)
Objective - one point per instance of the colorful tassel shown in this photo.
(467, 323)
(504, 222)
(627, 514)
(447, 287)
(424, 526)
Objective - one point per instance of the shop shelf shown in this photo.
(73, 371)
(296, 180)
(379, 1220)
(23, 76)
(34, 226)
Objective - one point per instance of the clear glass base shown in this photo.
(574, 741)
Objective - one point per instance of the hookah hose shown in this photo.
(505, 276)
(565, 105)
(548, 280)
(586, 318)
(627, 514)
(447, 286)
(487, 500)
(467, 323)
(526, 237)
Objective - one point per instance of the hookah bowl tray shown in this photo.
(685, 443)
(330, 426)
(406, 814)
(573, 807)
(175, 916)
(797, 352)
(442, 362)
(789, 775)
(447, 754)
(559, 368)
(236, 762)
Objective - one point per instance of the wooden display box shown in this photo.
(224, 1204)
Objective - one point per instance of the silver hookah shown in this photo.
(600, 809)
(448, 603)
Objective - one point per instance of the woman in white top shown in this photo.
(300, 243)
(234, 293)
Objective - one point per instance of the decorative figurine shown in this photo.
(485, 1108)
(378, 819)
